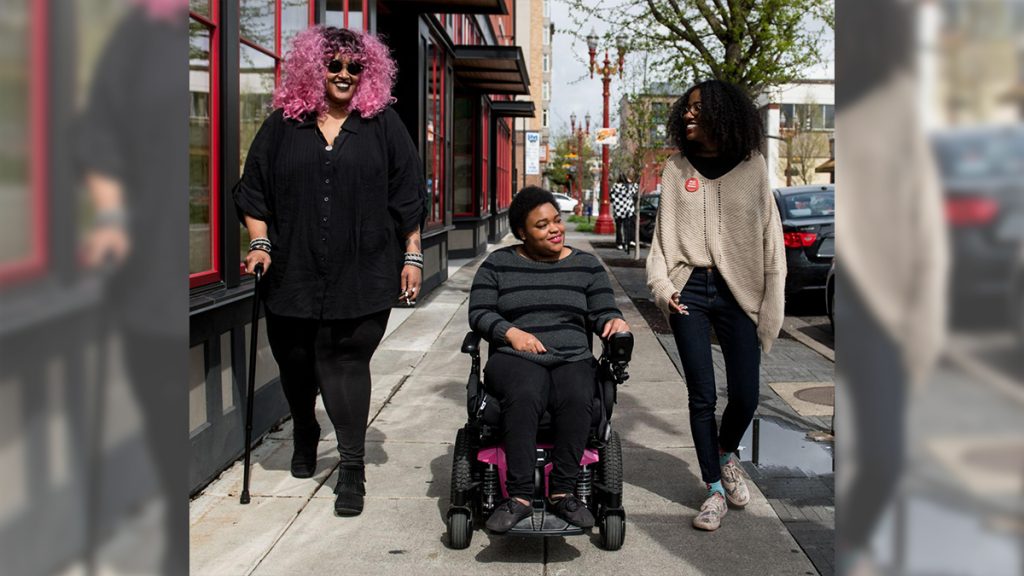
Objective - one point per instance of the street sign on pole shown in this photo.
(533, 153)
(606, 136)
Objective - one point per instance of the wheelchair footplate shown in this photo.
(544, 523)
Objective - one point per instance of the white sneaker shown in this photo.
(711, 513)
(735, 486)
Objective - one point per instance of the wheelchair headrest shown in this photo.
(618, 348)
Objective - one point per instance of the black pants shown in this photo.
(870, 367)
(710, 303)
(625, 231)
(333, 355)
(525, 390)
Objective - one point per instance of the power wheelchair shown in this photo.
(478, 464)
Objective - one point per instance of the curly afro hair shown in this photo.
(302, 79)
(728, 116)
(523, 203)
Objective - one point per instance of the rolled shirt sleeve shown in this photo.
(253, 195)
(406, 198)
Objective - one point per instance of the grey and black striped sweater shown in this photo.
(551, 300)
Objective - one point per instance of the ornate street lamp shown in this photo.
(604, 224)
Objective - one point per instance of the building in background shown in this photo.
(459, 69)
(643, 119)
(535, 31)
(800, 124)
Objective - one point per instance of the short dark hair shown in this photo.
(727, 115)
(524, 202)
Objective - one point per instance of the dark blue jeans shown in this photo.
(711, 304)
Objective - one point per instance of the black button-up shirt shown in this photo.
(336, 218)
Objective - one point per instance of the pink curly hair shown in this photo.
(302, 76)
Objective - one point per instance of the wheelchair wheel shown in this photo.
(460, 520)
(611, 466)
(462, 467)
(460, 529)
(613, 532)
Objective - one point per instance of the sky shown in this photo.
(572, 90)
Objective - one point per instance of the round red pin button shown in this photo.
(692, 184)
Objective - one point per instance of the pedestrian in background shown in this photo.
(717, 260)
(333, 187)
(623, 195)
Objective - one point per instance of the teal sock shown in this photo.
(724, 458)
(716, 487)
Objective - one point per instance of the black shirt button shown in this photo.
(325, 218)
(327, 163)
(326, 198)
(327, 181)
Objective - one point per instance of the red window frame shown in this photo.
(438, 149)
(503, 169)
(212, 24)
(35, 263)
(485, 158)
(345, 12)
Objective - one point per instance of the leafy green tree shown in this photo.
(753, 43)
(563, 170)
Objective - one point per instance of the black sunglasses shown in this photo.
(336, 66)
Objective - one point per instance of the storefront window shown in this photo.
(503, 170)
(436, 136)
(347, 14)
(257, 21)
(485, 158)
(462, 142)
(22, 229)
(202, 265)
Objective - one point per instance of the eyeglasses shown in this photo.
(336, 66)
(693, 109)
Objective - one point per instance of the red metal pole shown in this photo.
(604, 224)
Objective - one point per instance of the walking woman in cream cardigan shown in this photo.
(717, 260)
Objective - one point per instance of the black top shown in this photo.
(713, 167)
(335, 218)
(131, 132)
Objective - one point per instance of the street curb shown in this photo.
(791, 329)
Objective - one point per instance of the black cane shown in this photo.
(251, 390)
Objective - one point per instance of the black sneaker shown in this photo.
(507, 515)
(572, 510)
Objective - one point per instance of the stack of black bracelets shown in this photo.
(260, 244)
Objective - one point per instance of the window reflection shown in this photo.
(200, 241)
(256, 21)
(256, 89)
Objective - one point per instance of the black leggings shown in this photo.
(871, 369)
(525, 390)
(333, 355)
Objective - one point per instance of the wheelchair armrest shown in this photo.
(471, 344)
(618, 348)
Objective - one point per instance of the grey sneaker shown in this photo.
(711, 513)
(735, 486)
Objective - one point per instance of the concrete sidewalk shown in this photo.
(418, 404)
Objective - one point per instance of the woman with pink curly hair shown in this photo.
(333, 187)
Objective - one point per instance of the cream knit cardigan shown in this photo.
(731, 223)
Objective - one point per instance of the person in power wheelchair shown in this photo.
(535, 304)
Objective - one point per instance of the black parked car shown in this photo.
(648, 210)
(982, 170)
(808, 227)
